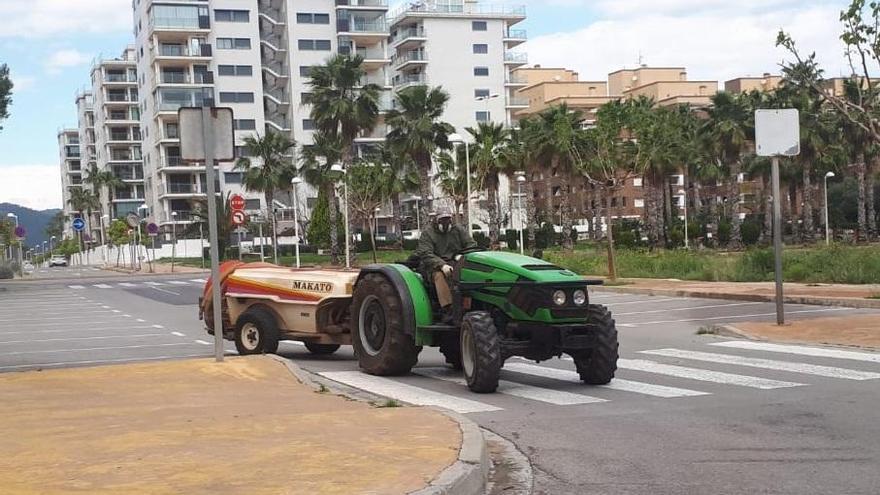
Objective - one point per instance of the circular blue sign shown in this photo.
(78, 224)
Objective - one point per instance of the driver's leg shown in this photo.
(444, 295)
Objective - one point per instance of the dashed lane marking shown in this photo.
(684, 320)
(103, 361)
(203, 342)
(103, 286)
(710, 306)
(55, 351)
(869, 357)
(178, 334)
(127, 284)
(703, 375)
(76, 287)
(94, 337)
(177, 282)
(154, 284)
(199, 280)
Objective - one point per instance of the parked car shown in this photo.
(57, 260)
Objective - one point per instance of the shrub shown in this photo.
(6, 270)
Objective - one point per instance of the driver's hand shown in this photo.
(447, 270)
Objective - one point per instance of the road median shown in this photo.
(851, 331)
(196, 426)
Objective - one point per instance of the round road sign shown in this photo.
(20, 232)
(78, 224)
(152, 229)
(237, 202)
(238, 217)
(132, 219)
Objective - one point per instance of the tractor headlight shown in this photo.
(579, 297)
(559, 298)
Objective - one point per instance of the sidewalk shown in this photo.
(246, 426)
(158, 269)
(855, 296)
(857, 331)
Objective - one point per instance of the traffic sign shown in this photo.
(20, 232)
(237, 202)
(78, 224)
(132, 219)
(152, 229)
(238, 217)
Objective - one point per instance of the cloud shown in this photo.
(22, 83)
(719, 40)
(34, 186)
(62, 59)
(49, 18)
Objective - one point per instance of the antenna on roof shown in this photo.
(641, 59)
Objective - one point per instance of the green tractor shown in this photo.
(505, 305)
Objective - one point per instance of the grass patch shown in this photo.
(709, 330)
(389, 403)
(322, 389)
(873, 296)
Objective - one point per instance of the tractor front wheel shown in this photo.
(380, 343)
(321, 349)
(256, 332)
(597, 366)
(480, 351)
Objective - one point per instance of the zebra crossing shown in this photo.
(562, 387)
(134, 285)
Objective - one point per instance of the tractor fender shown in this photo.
(413, 296)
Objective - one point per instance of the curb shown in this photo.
(848, 302)
(467, 476)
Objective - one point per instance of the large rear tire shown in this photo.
(480, 352)
(256, 332)
(597, 366)
(380, 343)
(321, 349)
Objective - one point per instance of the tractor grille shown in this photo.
(530, 299)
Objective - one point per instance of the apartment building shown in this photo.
(767, 82)
(117, 131)
(546, 87)
(70, 160)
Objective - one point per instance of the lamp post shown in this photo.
(455, 139)
(418, 219)
(295, 182)
(486, 99)
(140, 235)
(827, 220)
(20, 259)
(684, 199)
(51, 244)
(520, 178)
(339, 168)
(173, 238)
(105, 218)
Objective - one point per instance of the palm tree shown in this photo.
(317, 159)
(84, 200)
(417, 132)
(558, 142)
(520, 156)
(225, 227)
(99, 179)
(488, 162)
(402, 180)
(453, 183)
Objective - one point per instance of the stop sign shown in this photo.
(237, 202)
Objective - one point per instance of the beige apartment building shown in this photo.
(767, 82)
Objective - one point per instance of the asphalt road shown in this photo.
(687, 413)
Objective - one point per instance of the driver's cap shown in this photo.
(443, 212)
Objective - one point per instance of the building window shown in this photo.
(241, 151)
(481, 93)
(637, 182)
(481, 71)
(228, 97)
(252, 204)
(308, 125)
(235, 70)
(306, 98)
(479, 26)
(233, 177)
(308, 18)
(233, 43)
(305, 70)
(639, 203)
(222, 15)
(482, 116)
(314, 45)
(245, 124)
(481, 48)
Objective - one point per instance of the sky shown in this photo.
(49, 46)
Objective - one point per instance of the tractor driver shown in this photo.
(437, 246)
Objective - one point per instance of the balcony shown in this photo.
(518, 35)
(411, 35)
(120, 98)
(183, 51)
(278, 123)
(277, 97)
(123, 137)
(515, 80)
(128, 173)
(180, 216)
(119, 78)
(181, 23)
(363, 31)
(127, 196)
(405, 80)
(512, 58)
(362, 4)
(515, 13)
(514, 102)
(409, 59)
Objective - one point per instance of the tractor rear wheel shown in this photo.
(380, 343)
(597, 366)
(256, 332)
(480, 352)
(321, 349)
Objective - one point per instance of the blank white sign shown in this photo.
(777, 132)
(192, 142)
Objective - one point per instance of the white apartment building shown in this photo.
(70, 161)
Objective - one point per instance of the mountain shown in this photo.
(33, 221)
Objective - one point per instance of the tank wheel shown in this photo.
(380, 344)
(480, 351)
(321, 349)
(597, 366)
(256, 332)
(450, 347)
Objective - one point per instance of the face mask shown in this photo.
(444, 227)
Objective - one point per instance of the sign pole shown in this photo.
(208, 136)
(262, 254)
(777, 241)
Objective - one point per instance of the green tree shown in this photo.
(55, 227)
(521, 157)
(317, 160)
(117, 233)
(404, 179)
(369, 186)
(84, 201)
(5, 93)
(417, 132)
(225, 227)
(452, 180)
(488, 162)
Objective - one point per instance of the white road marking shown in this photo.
(703, 375)
(645, 301)
(116, 311)
(167, 291)
(158, 326)
(105, 361)
(127, 284)
(710, 306)
(627, 325)
(199, 280)
(140, 320)
(101, 337)
(870, 357)
(739, 316)
(127, 316)
(203, 342)
(557, 397)
(106, 307)
(75, 287)
(616, 384)
(37, 321)
(178, 334)
(809, 369)
(177, 282)
(153, 284)
(102, 286)
(69, 329)
(296, 342)
(406, 393)
(53, 351)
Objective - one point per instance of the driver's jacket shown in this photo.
(437, 248)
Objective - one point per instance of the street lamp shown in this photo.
(827, 220)
(457, 139)
(339, 168)
(486, 99)
(173, 238)
(684, 200)
(20, 259)
(295, 182)
(105, 218)
(418, 218)
(520, 178)
(51, 242)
